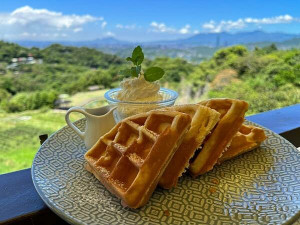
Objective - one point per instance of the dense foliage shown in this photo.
(266, 77)
(58, 68)
(29, 101)
(10, 50)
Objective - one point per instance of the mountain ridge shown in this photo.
(222, 39)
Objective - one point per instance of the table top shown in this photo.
(20, 203)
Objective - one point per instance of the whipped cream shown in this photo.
(139, 90)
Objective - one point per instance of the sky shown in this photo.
(143, 20)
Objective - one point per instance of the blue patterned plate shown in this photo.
(259, 187)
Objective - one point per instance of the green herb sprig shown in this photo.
(137, 57)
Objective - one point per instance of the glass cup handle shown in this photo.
(71, 125)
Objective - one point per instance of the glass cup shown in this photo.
(127, 108)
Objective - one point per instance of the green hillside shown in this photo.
(32, 80)
(68, 70)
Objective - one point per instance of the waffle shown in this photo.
(247, 138)
(203, 121)
(130, 159)
(232, 116)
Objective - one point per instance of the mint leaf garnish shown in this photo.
(137, 57)
(153, 74)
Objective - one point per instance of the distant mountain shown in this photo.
(288, 44)
(227, 39)
(202, 39)
(292, 43)
(193, 49)
(105, 42)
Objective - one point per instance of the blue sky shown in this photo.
(142, 20)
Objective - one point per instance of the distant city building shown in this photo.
(23, 60)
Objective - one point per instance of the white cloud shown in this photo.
(228, 25)
(185, 29)
(103, 24)
(26, 15)
(163, 28)
(209, 26)
(196, 32)
(272, 20)
(48, 35)
(109, 34)
(51, 35)
(127, 27)
(29, 20)
(77, 29)
(58, 35)
(25, 34)
(224, 25)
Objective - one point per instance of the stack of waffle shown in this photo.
(157, 147)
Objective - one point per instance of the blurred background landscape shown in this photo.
(53, 57)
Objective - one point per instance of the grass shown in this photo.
(83, 98)
(19, 136)
(19, 132)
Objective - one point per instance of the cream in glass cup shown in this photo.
(129, 108)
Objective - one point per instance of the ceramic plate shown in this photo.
(259, 187)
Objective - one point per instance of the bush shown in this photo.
(29, 101)
(260, 98)
(175, 69)
(93, 77)
(230, 54)
(4, 95)
(284, 77)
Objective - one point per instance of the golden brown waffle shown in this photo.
(203, 121)
(232, 116)
(130, 159)
(247, 138)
